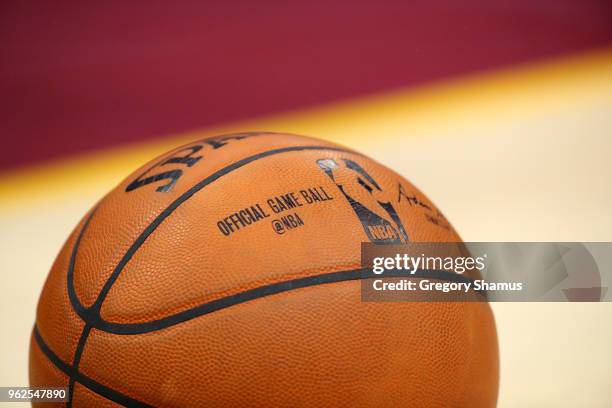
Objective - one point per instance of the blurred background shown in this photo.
(501, 112)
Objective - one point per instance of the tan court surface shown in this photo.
(523, 155)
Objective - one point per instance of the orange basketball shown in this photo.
(225, 273)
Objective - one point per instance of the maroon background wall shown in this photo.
(77, 76)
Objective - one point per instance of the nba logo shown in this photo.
(376, 213)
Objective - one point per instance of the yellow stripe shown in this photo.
(520, 92)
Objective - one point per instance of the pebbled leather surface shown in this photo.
(84, 397)
(314, 346)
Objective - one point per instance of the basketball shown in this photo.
(225, 273)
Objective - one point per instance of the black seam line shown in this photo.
(262, 291)
(92, 312)
(78, 307)
(93, 385)
(74, 299)
(76, 360)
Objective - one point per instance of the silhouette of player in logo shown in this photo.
(375, 211)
